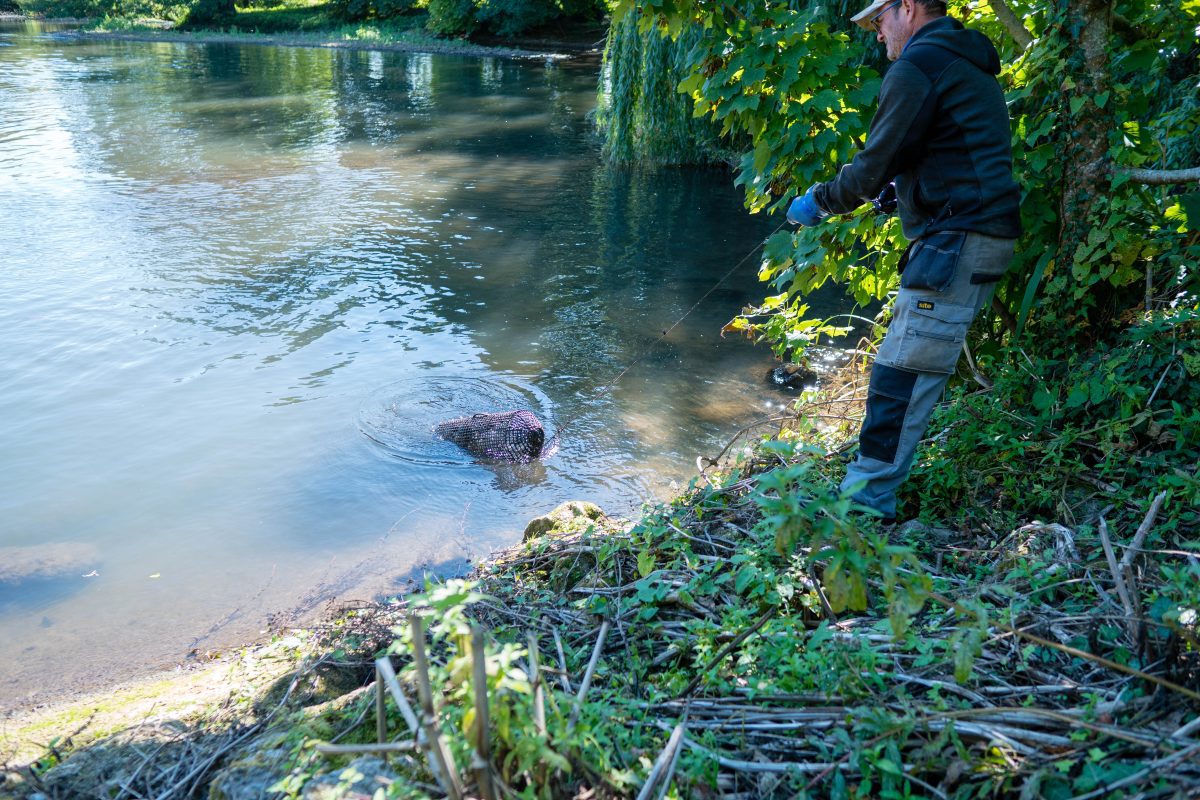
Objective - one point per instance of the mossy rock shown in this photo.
(359, 780)
(572, 515)
(250, 775)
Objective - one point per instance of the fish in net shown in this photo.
(514, 436)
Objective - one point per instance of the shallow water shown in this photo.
(240, 281)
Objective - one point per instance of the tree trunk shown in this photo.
(1087, 170)
(1087, 173)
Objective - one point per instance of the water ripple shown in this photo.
(401, 417)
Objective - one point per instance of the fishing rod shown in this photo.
(608, 387)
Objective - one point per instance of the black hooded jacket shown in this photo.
(942, 133)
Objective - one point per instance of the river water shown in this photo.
(240, 283)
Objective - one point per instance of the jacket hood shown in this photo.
(950, 34)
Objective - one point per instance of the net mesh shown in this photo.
(508, 436)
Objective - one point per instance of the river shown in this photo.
(240, 282)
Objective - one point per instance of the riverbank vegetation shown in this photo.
(757, 638)
(573, 24)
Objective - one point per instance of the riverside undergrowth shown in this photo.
(762, 637)
(1032, 633)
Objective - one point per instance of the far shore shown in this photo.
(540, 50)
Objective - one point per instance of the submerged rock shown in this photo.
(35, 562)
(792, 376)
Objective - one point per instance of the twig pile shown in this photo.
(1040, 702)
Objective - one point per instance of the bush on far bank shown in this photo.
(99, 9)
(463, 17)
(358, 10)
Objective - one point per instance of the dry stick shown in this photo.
(670, 772)
(447, 774)
(1135, 546)
(1187, 730)
(539, 691)
(387, 675)
(724, 651)
(669, 755)
(198, 772)
(380, 710)
(1131, 553)
(826, 608)
(1118, 581)
(386, 747)
(1150, 768)
(383, 668)
(562, 661)
(1062, 648)
(481, 763)
(764, 766)
(587, 676)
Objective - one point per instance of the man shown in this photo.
(942, 135)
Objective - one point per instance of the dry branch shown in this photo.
(587, 676)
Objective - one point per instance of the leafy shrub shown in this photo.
(510, 17)
(1112, 424)
(450, 17)
(209, 13)
(506, 17)
(356, 10)
(99, 9)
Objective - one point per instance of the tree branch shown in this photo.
(1161, 177)
(1016, 29)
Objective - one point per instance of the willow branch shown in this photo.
(1016, 29)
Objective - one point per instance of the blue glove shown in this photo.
(805, 211)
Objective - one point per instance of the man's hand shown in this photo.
(886, 202)
(805, 211)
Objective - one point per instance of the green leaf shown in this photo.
(1031, 288)
(1191, 207)
(745, 576)
(762, 154)
(889, 766)
(1043, 398)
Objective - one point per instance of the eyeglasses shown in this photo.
(877, 20)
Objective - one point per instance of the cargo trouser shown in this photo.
(948, 277)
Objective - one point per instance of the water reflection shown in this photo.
(216, 255)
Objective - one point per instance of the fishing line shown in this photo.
(608, 387)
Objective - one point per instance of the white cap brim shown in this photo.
(863, 18)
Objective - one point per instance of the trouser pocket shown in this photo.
(932, 335)
(931, 262)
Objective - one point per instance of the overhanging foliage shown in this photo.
(1095, 89)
